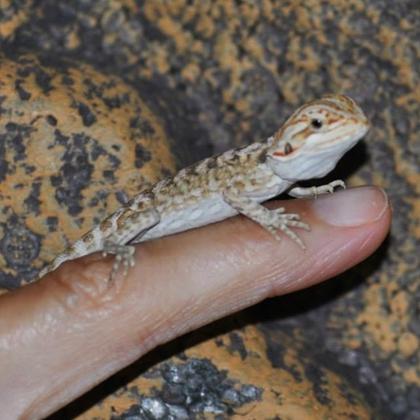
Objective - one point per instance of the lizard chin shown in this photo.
(307, 163)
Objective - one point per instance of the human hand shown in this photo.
(65, 334)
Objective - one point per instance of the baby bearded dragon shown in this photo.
(308, 145)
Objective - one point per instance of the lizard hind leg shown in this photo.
(124, 254)
(130, 224)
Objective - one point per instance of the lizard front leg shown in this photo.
(131, 223)
(271, 220)
(311, 192)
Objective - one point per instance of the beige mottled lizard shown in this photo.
(308, 145)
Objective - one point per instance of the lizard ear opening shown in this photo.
(285, 149)
(288, 148)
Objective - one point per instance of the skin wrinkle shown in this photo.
(174, 328)
(279, 271)
(179, 321)
(128, 317)
(214, 308)
(254, 248)
(248, 293)
(159, 325)
(81, 291)
(243, 255)
(86, 307)
(326, 258)
(150, 335)
(91, 297)
(365, 243)
(217, 264)
(239, 227)
(129, 347)
(212, 304)
(191, 315)
(341, 250)
(321, 262)
(282, 278)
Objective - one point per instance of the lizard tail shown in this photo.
(55, 263)
(88, 244)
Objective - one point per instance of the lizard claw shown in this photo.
(283, 221)
(124, 255)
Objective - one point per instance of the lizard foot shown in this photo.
(313, 192)
(280, 221)
(329, 188)
(124, 255)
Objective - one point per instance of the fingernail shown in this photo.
(352, 207)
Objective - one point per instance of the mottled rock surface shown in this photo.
(74, 145)
(231, 377)
(226, 73)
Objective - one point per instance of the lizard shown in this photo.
(308, 145)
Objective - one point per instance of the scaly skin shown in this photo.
(307, 146)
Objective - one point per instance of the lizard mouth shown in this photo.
(349, 135)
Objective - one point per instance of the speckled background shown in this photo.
(208, 75)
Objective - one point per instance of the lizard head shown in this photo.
(315, 137)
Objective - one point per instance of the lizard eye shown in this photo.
(316, 123)
(288, 148)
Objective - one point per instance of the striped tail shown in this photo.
(89, 243)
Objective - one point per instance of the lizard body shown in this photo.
(307, 146)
